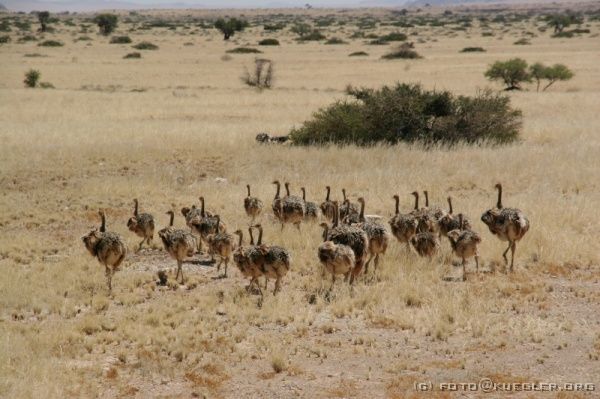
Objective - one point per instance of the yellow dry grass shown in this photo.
(165, 127)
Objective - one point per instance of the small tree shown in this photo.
(106, 22)
(32, 78)
(537, 72)
(229, 27)
(43, 18)
(555, 73)
(512, 73)
(560, 21)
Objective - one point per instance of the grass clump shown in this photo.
(409, 113)
(335, 40)
(358, 54)
(4, 39)
(145, 46)
(473, 50)
(244, 50)
(32, 78)
(133, 55)
(522, 42)
(402, 53)
(269, 42)
(120, 40)
(51, 43)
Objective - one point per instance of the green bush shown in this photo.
(473, 50)
(335, 40)
(230, 26)
(269, 42)
(27, 38)
(394, 37)
(44, 19)
(358, 54)
(4, 39)
(31, 78)
(46, 85)
(512, 73)
(522, 42)
(567, 34)
(107, 23)
(408, 113)
(402, 53)
(553, 74)
(314, 35)
(145, 46)
(244, 50)
(51, 43)
(83, 39)
(133, 55)
(120, 40)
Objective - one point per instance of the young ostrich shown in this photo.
(464, 244)
(352, 236)
(178, 243)
(276, 261)
(248, 259)
(435, 213)
(108, 247)
(348, 208)
(423, 218)
(378, 236)
(449, 221)
(252, 205)
(335, 258)
(142, 224)
(404, 226)
(508, 224)
(312, 210)
(206, 225)
(291, 208)
(221, 244)
(327, 205)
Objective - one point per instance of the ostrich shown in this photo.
(377, 234)
(508, 224)
(178, 243)
(221, 244)
(108, 247)
(464, 244)
(404, 226)
(335, 258)
(435, 214)
(291, 208)
(206, 225)
(312, 210)
(421, 214)
(252, 205)
(327, 205)
(352, 236)
(347, 208)
(449, 221)
(142, 224)
(276, 261)
(248, 259)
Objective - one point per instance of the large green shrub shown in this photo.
(409, 113)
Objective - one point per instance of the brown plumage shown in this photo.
(277, 261)
(313, 212)
(291, 208)
(108, 247)
(403, 226)
(327, 205)
(435, 214)
(276, 204)
(450, 222)
(352, 236)
(422, 215)
(425, 243)
(142, 224)
(221, 244)
(252, 205)
(377, 234)
(335, 258)
(178, 243)
(508, 224)
(464, 244)
(348, 208)
(249, 259)
(207, 224)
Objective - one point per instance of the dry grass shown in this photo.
(164, 128)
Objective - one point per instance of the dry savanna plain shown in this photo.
(179, 123)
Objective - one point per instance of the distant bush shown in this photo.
(34, 55)
(51, 43)
(32, 78)
(269, 42)
(522, 42)
(133, 55)
(263, 75)
(4, 39)
(487, 34)
(335, 40)
(44, 19)
(273, 27)
(83, 39)
(512, 73)
(473, 50)
(27, 38)
(145, 46)
(561, 21)
(409, 113)
(107, 23)
(358, 54)
(394, 37)
(46, 85)
(402, 53)
(244, 50)
(120, 40)
(314, 35)
(567, 34)
(230, 26)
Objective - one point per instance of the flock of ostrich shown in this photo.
(351, 239)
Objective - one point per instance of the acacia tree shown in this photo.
(229, 27)
(512, 73)
(43, 18)
(560, 21)
(106, 22)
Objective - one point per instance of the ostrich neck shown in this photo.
(328, 192)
